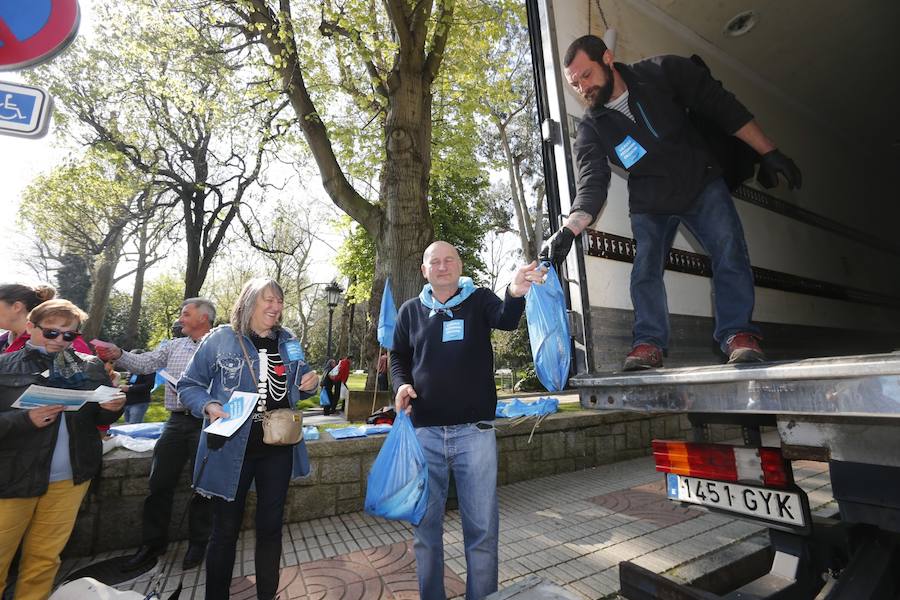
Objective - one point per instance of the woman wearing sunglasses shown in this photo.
(47, 457)
(16, 301)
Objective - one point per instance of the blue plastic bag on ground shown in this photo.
(343, 433)
(548, 331)
(397, 486)
(376, 429)
(518, 408)
(324, 400)
(150, 431)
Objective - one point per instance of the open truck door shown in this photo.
(826, 258)
(824, 82)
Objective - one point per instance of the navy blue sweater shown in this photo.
(454, 379)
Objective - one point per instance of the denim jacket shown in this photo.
(216, 370)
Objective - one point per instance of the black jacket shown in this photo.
(454, 380)
(26, 450)
(139, 391)
(678, 164)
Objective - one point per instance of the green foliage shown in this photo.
(116, 320)
(160, 307)
(73, 280)
(512, 349)
(89, 195)
(530, 382)
(155, 88)
(460, 210)
(356, 260)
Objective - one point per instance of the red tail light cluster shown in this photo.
(722, 462)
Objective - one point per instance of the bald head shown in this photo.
(442, 267)
(439, 247)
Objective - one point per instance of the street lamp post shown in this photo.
(333, 297)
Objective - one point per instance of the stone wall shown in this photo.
(110, 518)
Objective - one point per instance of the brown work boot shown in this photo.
(643, 356)
(744, 348)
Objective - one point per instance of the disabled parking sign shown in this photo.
(32, 31)
(24, 110)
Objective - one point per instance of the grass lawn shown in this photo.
(157, 411)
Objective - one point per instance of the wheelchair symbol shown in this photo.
(10, 111)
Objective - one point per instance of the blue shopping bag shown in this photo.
(548, 331)
(397, 486)
(324, 400)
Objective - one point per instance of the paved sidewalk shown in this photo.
(572, 529)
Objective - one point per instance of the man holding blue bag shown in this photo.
(443, 375)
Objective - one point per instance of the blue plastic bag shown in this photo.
(518, 408)
(150, 431)
(548, 330)
(397, 486)
(324, 400)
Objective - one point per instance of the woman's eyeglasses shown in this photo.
(52, 334)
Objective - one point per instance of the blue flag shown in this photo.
(159, 380)
(387, 318)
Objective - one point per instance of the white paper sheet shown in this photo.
(41, 395)
(104, 393)
(239, 407)
(168, 377)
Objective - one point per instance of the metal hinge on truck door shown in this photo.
(576, 328)
(551, 131)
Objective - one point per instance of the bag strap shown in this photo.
(246, 356)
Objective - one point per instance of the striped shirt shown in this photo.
(621, 104)
(173, 357)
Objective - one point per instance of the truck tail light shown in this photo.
(723, 462)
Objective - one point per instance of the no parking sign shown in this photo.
(32, 31)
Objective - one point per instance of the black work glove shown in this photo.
(774, 162)
(557, 247)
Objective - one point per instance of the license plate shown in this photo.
(776, 506)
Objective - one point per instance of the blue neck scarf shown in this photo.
(426, 296)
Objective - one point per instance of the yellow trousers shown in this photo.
(43, 525)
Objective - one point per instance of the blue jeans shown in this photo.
(471, 454)
(271, 473)
(134, 413)
(715, 223)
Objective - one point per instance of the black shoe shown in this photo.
(194, 556)
(146, 555)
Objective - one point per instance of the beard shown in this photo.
(599, 95)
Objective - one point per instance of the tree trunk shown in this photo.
(407, 228)
(193, 240)
(102, 283)
(514, 188)
(400, 224)
(350, 319)
(137, 293)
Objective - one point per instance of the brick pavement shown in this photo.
(571, 529)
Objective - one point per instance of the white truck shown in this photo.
(823, 80)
